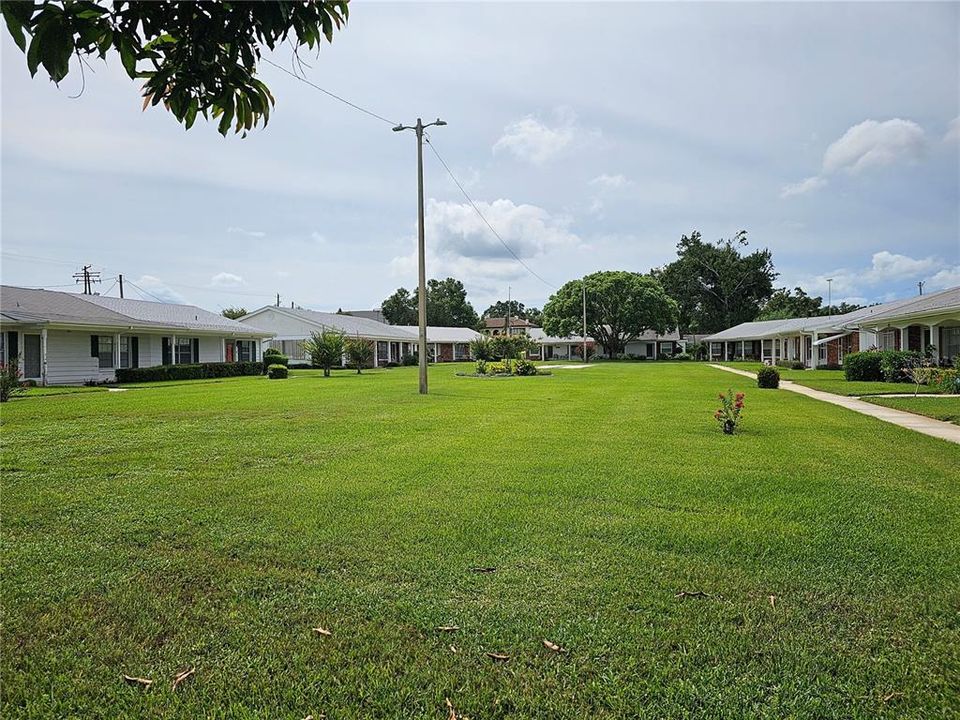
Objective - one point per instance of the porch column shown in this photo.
(905, 337)
(773, 351)
(814, 351)
(116, 353)
(935, 340)
(376, 353)
(173, 350)
(743, 349)
(43, 356)
(726, 353)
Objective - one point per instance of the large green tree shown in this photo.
(717, 285)
(447, 305)
(620, 306)
(233, 312)
(784, 303)
(194, 57)
(516, 309)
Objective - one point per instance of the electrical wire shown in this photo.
(482, 217)
(142, 291)
(330, 94)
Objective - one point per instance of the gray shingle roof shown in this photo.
(945, 301)
(47, 306)
(440, 334)
(347, 324)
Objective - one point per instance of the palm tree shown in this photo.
(325, 349)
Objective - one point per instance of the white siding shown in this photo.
(68, 358)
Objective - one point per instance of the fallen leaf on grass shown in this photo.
(773, 601)
(691, 593)
(553, 646)
(142, 682)
(322, 631)
(453, 648)
(448, 628)
(483, 569)
(890, 696)
(452, 713)
(181, 676)
(498, 656)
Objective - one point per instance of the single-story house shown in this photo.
(291, 326)
(557, 348)
(910, 324)
(652, 345)
(60, 338)
(446, 344)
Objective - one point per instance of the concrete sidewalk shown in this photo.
(918, 423)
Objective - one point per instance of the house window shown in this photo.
(105, 351)
(887, 340)
(951, 342)
(822, 352)
(184, 351)
(244, 350)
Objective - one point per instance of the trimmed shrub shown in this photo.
(272, 351)
(797, 365)
(277, 372)
(499, 368)
(481, 367)
(409, 359)
(682, 356)
(830, 366)
(946, 380)
(895, 364)
(524, 367)
(197, 371)
(863, 366)
(768, 378)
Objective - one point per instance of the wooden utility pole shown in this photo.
(421, 260)
(88, 277)
(120, 278)
(583, 287)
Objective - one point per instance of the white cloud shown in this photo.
(532, 140)
(246, 233)
(226, 280)
(155, 289)
(885, 269)
(947, 278)
(804, 186)
(318, 238)
(953, 131)
(460, 243)
(865, 146)
(610, 182)
(873, 144)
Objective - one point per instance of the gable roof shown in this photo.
(441, 334)
(942, 302)
(347, 324)
(26, 305)
(499, 322)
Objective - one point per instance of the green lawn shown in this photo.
(833, 381)
(940, 408)
(212, 525)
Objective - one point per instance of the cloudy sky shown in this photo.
(591, 137)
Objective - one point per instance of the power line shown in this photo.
(143, 292)
(330, 94)
(487, 222)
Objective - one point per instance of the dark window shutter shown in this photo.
(196, 350)
(94, 346)
(134, 352)
(165, 351)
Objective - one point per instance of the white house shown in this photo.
(60, 338)
(911, 324)
(557, 348)
(291, 326)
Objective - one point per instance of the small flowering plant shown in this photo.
(728, 415)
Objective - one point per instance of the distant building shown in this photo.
(368, 314)
(496, 325)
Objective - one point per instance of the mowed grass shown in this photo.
(939, 408)
(833, 381)
(213, 525)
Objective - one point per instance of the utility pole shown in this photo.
(120, 278)
(830, 298)
(506, 320)
(278, 299)
(920, 286)
(88, 279)
(421, 261)
(583, 287)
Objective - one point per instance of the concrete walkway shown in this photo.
(918, 423)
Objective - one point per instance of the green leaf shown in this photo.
(14, 25)
(127, 56)
(33, 55)
(191, 115)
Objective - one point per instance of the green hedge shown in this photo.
(197, 371)
(277, 372)
(894, 364)
(768, 377)
(863, 366)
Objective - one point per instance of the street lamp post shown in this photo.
(421, 261)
